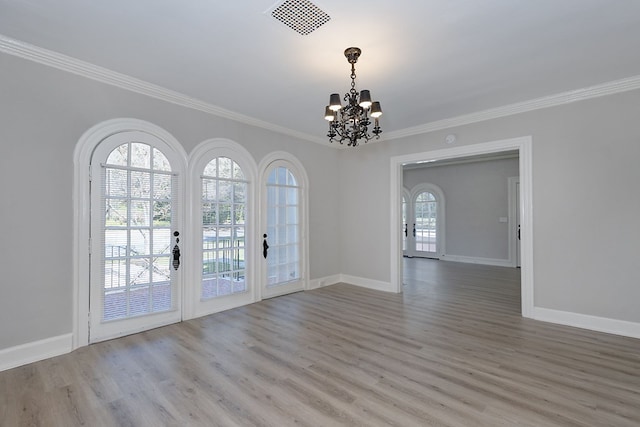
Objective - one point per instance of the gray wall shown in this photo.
(585, 197)
(476, 196)
(43, 113)
(585, 202)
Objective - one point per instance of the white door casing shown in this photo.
(524, 147)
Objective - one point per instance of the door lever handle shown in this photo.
(406, 232)
(265, 246)
(414, 230)
(176, 252)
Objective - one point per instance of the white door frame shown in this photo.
(82, 210)
(513, 220)
(523, 145)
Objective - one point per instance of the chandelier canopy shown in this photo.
(351, 122)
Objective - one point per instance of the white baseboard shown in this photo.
(324, 281)
(23, 354)
(585, 321)
(367, 283)
(477, 260)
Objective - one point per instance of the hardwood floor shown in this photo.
(452, 350)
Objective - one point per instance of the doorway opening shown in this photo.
(523, 147)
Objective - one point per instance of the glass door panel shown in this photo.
(134, 214)
(282, 241)
(425, 226)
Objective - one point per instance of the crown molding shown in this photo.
(75, 66)
(123, 81)
(608, 88)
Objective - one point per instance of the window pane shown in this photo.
(160, 161)
(116, 243)
(140, 184)
(272, 177)
(291, 180)
(119, 156)
(239, 192)
(139, 301)
(225, 166)
(209, 189)
(161, 272)
(161, 241)
(209, 214)
(161, 186)
(140, 212)
(116, 183)
(141, 241)
(140, 155)
(211, 169)
(224, 191)
(162, 214)
(237, 172)
(224, 213)
(239, 212)
(139, 271)
(116, 212)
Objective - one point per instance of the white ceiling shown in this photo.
(424, 60)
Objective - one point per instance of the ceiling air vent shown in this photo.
(302, 16)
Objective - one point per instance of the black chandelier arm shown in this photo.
(352, 124)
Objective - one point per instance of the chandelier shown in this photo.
(351, 122)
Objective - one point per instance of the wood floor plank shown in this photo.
(451, 350)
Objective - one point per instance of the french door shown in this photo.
(135, 236)
(282, 239)
(425, 226)
(222, 251)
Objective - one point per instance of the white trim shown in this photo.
(512, 182)
(584, 321)
(75, 66)
(523, 145)
(82, 204)
(35, 351)
(85, 69)
(324, 281)
(363, 282)
(476, 260)
(562, 98)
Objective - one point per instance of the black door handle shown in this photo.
(414, 230)
(176, 252)
(406, 232)
(265, 246)
(518, 231)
